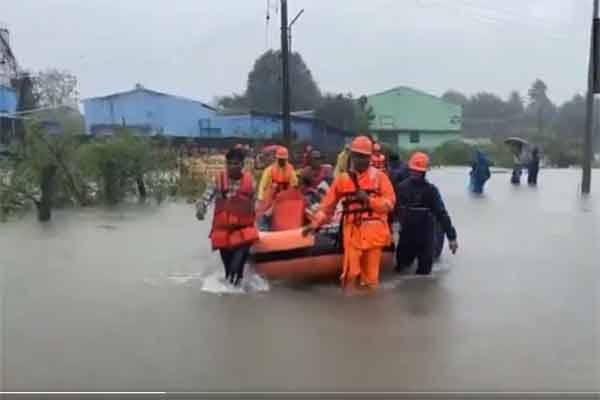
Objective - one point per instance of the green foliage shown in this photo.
(453, 153)
(124, 165)
(263, 89)
(53, 88)
(499, 154)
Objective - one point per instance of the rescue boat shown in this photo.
(287, 255)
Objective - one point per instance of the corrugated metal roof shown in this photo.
(405, 108)
(151, 92)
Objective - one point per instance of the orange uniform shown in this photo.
(365, 226)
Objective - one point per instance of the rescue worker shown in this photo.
(480, 172)
(419, 202)
(342, 160)
(233, 226)
(367, 197)
(378, 158)
(277, 177)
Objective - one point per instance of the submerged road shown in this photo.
(117, 300)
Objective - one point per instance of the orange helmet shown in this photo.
(377, 147)
(282, 152)
(419, 162)
(362, 145)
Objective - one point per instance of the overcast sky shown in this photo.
(205, 48)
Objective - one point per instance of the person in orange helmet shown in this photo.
(368, 197)
(378, 159)
(419, 208)
(276, 178)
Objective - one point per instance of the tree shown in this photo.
(485, 105)
(53, 88)
(234, 102)
(570, 118)
(123, 165)
(514, 105)
(540, 107)
(263, 89)
(344, 112)
(39, 168)
(455, 97)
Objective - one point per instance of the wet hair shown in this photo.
(235, 154)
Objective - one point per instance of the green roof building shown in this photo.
(408, 118)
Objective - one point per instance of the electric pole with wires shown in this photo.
(285, 76)
(593, 88)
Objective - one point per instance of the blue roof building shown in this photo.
(146, 112)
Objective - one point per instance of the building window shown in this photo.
(415, 137)
(386, 121)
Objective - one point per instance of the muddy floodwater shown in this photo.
(131, 299)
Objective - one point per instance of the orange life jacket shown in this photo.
(288, 210)
(281, 177)
(233, 221)
(378, 161)
(353, 209)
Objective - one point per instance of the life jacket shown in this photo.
(354, 210)
(415, 207)
(288, 210)
(378, 161)
(281, 178)
(233, 221)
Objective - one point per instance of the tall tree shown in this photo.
(540, 107)
(455, 97)
(263, 89)
(345, 112)
(570, 118)
(53, 88)
(514, 105)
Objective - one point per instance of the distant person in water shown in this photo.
(533, 167)
(480, 172)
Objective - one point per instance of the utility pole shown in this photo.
(285, 75)
(290, 27)
(593, 79)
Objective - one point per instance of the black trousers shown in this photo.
(234, 261)
(416, 241)
(532, 175)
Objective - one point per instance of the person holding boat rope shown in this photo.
(368, 197)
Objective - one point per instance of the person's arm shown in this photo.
(441, 214)
(207, 197)
(383, 204)
(265, 182)
(294, 178)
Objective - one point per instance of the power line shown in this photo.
(495, 17)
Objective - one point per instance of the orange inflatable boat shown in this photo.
(287, 255)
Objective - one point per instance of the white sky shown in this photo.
(205, 48)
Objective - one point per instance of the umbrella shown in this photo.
(517, 141)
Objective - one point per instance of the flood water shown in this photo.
(130, 300)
